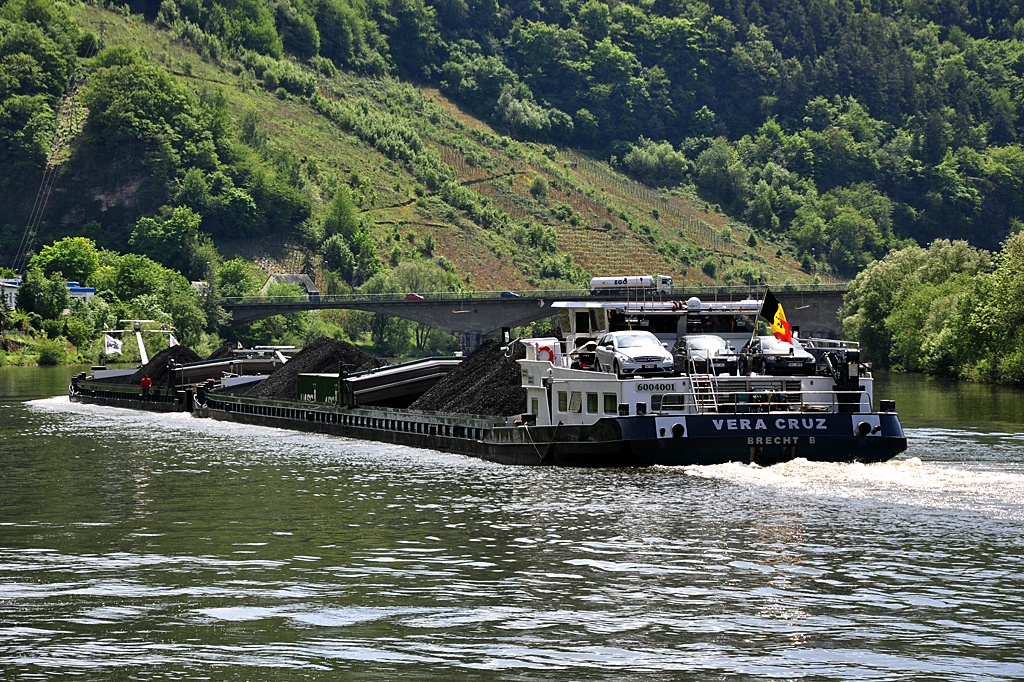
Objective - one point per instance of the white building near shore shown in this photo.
(9, 292)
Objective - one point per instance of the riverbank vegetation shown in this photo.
(949, 310)
(134, 287)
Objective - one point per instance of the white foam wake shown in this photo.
(996, 488)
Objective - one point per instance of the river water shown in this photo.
(156, 547)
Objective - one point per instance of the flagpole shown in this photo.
(758, 316)
(753, 332)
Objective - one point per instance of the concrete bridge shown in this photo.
(472, 316)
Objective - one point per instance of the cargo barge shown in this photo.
(576, 414)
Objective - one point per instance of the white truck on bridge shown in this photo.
(611, 286)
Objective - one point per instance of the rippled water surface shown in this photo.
(144, 546)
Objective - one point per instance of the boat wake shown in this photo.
(251, 442)
(994, 491)
(942, 470)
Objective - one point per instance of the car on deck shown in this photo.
(634, 353)
(706, 354)
(768, 355)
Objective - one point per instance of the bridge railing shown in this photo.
(426, 296)
(754, 291)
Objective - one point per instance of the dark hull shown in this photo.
(612, 442)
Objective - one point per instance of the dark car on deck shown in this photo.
(768, 355)
(705, 354)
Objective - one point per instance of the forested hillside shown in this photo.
(363, 141)
(175, 139)
(844, 125)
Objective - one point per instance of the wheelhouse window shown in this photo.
(591, 403)
(563, 401)
(611, 403)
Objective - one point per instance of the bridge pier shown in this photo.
(469, 341)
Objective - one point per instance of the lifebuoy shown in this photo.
(544, 353)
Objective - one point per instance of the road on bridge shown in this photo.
(472, 316)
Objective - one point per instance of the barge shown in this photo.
(576, 414)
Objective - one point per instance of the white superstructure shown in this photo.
(557, 393)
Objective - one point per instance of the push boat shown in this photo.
(576, 415)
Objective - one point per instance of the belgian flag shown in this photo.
(771, 310)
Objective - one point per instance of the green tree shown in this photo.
(237, 278)
(390, 335)
(167, 241)
(5, 318)
(45, 296)
(79, 332)
(873, 307)
(719, 172)
(341, 217)
(135, 105)
(539, 187)
(26, 132)
(135, 275)
(338, 256)
(51, 352)
(75, 258)
(655, 163)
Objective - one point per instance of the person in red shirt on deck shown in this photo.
(146, 383)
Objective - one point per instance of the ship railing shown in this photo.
(828, 344)
(764, 401)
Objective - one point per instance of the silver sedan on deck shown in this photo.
(633, 353)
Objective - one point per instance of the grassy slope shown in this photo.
(608, 240)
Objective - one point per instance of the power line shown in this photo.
(66, 128)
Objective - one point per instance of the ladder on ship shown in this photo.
(705, 388)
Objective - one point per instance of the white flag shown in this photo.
(112, 345)
(174, 341)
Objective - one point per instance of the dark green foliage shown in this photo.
(884, 288)
(135, 275)
(480, 209)
(26, 130)
(338, 256)
(539, 187)
(564, 269)
(656, 163)
(299, 33)
(43, 295)
(341, 217)
(38, 42)
(237, 278)
(167, 241)
(51, 352)
(945, 310)
(139, 110)
(73, 258)
(78, 331)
